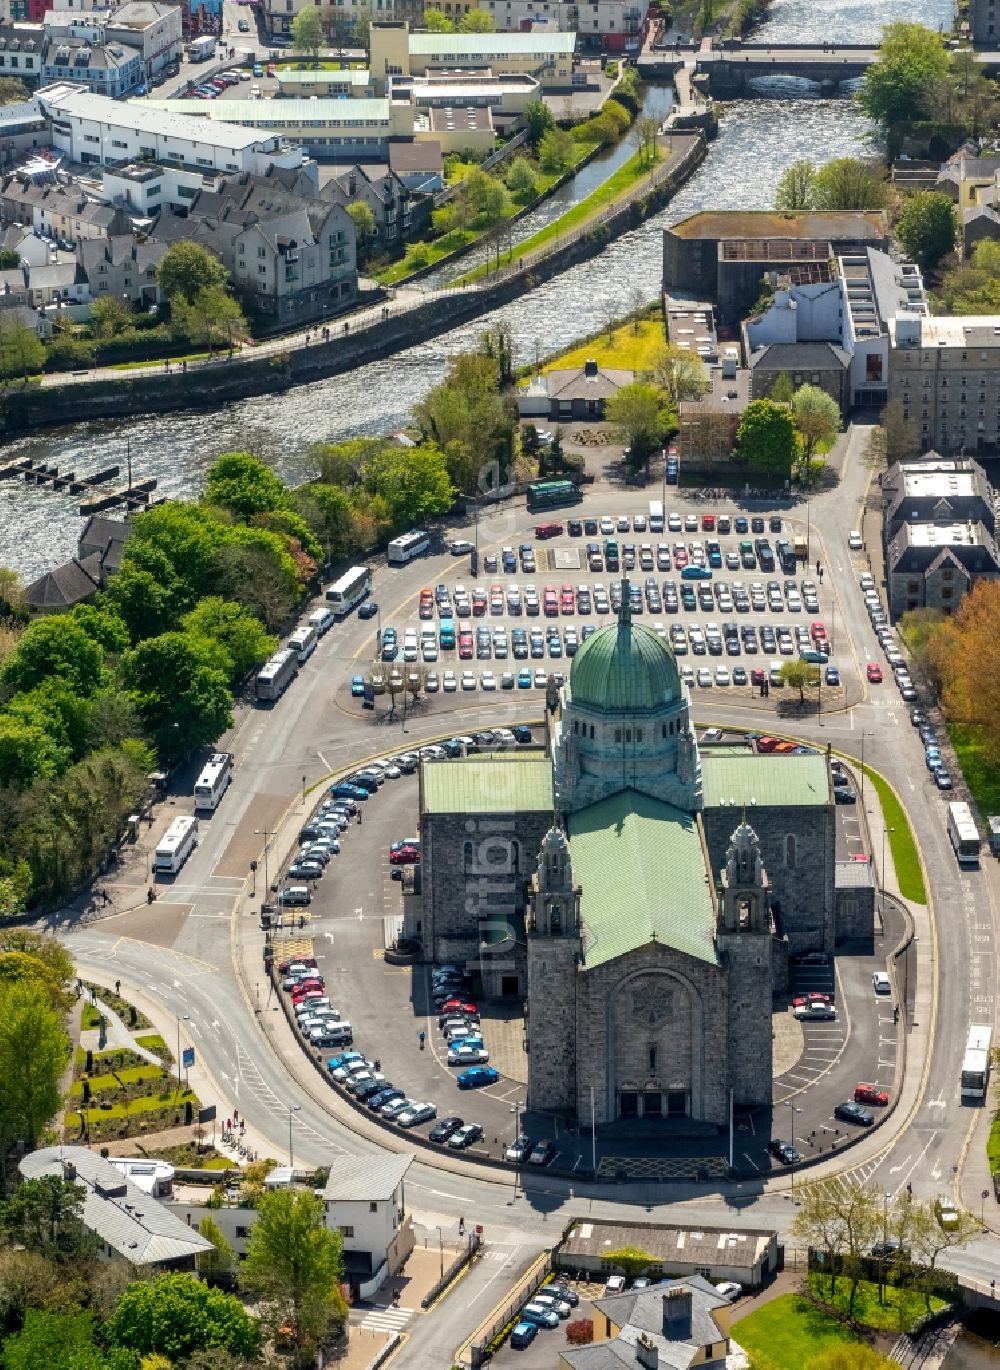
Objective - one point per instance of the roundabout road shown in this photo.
(185, 956)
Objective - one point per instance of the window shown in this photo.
(790, 845)
(242, 1231)
(373, 1208)
(652, 1060)
(618, 734)
(347, 1231)
(946, 594)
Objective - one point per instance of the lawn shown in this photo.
(152, 1041)
(993, 1144)
(899, 1311)
(629, 349)
(981, 775)
(904, 849)
(159, 361)
(789, 1331)
(130, 1076)
(623, 180)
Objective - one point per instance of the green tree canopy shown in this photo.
(817, 417)
(436, 21)
(142, 601)
(52, 1337)
(27, 753)
(974, 286)
(211, 318)
(294, 1263)
(680, 373)
(477, 21)
(183, 538)
(766, 437)
(12, 91)
(21, 350)
(109, 316)
(640, 417)
(363, 218)
(185, 269)
(34, 1049)
(20, 967)
(244, 484)
(413, 481)
(176, 1315)
(466, 416)
(928, 227)
(238, 632)
(800, 675)
(101, 621)
(556, 150)
(45, 1215)
(179, 684)
(55, 646)
(538, 119)
(307, 31)
(521, 180)
(850, 183)
(794, 192)
(899, 87)
(222, 1258)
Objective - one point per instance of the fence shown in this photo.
(502, 153)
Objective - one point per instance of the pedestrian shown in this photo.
(118, 988)
(243, 1126)
(229, 1124)
(422, 1036)
(461, 1227)
(378, 1064)
(359, 818)
(817, 565)
(236, 1115)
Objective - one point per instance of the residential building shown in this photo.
(984, 23)
(676, 1324)
(21, 314)
(601, 25)
(966, 175)
(152, 26)
(365, 1199)
(122, 267)
(579, 392)
(111, 69)
(26, 243)
(97, 131)
(945, 372)
(59, 211)
(396, 51)
(822, 364)
(130, 1224)
(143, 189)
(57, 283)
(341, 16)
(21, 52)
(108, 537)
(384, 193)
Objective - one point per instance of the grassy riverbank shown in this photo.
(632, 346)
(623, 181)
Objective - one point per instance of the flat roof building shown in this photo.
(396, 51)
(945, 373)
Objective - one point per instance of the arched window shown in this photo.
(591, 732)
(638, 734)
(618, 734)
(790, 850)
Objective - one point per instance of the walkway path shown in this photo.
(117, 1036)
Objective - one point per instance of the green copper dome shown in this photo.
(624, 668)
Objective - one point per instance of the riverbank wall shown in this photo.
(81, 398)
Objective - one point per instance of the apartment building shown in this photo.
(945, 372)
(396, 51)
(21, 52)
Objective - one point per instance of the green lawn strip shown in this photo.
(898, 1312)
(152, 1041)
(91, 1017)
(133, 1075)
(119, 1058)
(789, 1331)
(981, 774)
(993, 1144)
(905, 859)
(623, 180)
(158, 361)
(148, 1103)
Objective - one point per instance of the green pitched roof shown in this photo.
(507, 782)
(641, 867)
(623, 667)
(763, 781)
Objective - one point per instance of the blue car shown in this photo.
(523, 1335)
(335, 1062)
(715, 560)
(932, 757)
(696, 573)
(524, 681)
(477, 1076)
(345, 791)
(832, 675)
(357, 686)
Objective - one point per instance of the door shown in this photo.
(509, 987)
(652, 1104)
(677, 1103)
(628, 1104)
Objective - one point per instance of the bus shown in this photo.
(976, 1063)
(348, 592)
(409, 545)
(276, 675)
(213, 782)
(964, 834)
(303, 642)
(655, 516)
(551, 494)
(176, 845)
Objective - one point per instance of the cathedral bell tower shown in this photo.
(555, 951)
(743, 937)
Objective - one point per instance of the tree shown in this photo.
(817, 417)
(496, 201)
(244, 484)
(21, 351)
(364, 222)
(469, 420)
(477, 21)
(176, 1315)
(538, 118)
(52, 1337)
(555, 150)
(181, 540)
(629, 1261)
(179, 685)
(55, 647)
(12, 91)
(794, 192)
(849, 183)
(213, 317)
(644, 135)
(766, 437)
(436, 21)
(142, 602)
(294, 1263)
(782, 391)
(639, 416)
(928, 227)
(109, 315)
(186, 268)
(307, 31)
(966, 652)
(521, 180)
(800, 675)
(34, 1049)
(413, 482)
(45, 1215)
(258, 573)
(10, 258)
(27, 753)
(897, 88)
(901, 439)
(842, 1220)
(974, 286)
(222, 1258)
(679, 373)
(929, 1240)
(232, 627)
(20, 967)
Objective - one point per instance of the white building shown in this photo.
(364, 1197)
(21, 52)
(92, 129)
(608, 25)
(82, 56)
(395, 51)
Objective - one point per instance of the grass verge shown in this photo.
(789, 1331)
(898, 1312)
(993, 1144)
(905, 858)
(981, 774)
(633, 347)
(158, 361)
(623, 180)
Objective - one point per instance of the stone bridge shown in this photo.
(731, 70)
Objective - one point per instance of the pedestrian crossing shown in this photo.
(388, 1319)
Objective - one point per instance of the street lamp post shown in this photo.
(795, 1109)
(263, 832)
(885, 829)
(292, 1108)
(186, 1017)
(441, 1249)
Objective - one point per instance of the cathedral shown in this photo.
(641, 894)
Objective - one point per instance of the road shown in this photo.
(186, 955)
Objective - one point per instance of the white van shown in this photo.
(295, 896)
(339, 1034)
(322, 620)
(303, 642)
(774, 675)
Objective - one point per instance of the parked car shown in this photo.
(881, 982)
(870, 1094)
(477, 1076)
(444, 1129)
(465, 1136)
(520, 1148)
(523, 1334)
(850, 1112)
(538, 1313)
(542, 1152)
(729, 1290)
(783, 1151)
(419, 1113)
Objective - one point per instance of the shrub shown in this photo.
(64, 353)
(580, 1332)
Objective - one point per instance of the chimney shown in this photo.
(69, 1172)
(590, 367)
(677, 1314)
(646, 1353)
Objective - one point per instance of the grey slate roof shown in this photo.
(639, 1313)
(136, 1226)
(366, 1178)
(800, 357)
(65, 585)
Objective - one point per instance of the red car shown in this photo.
(757, 676)
(870, 1094)
(548, 530)
(458, 1006)
(818, 632)
(404, 856)
(305, 987)
(708, 523)
(680, 558)
(874, 673)
(801, 999)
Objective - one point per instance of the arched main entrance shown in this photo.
(654, 1056)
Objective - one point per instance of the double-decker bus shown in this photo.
(407, 546)
(213, 782)
(976, 1063)
(551, 494)
(176, 845)
(964, 834)
(348, 592)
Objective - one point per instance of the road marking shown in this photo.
(387, 1319)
